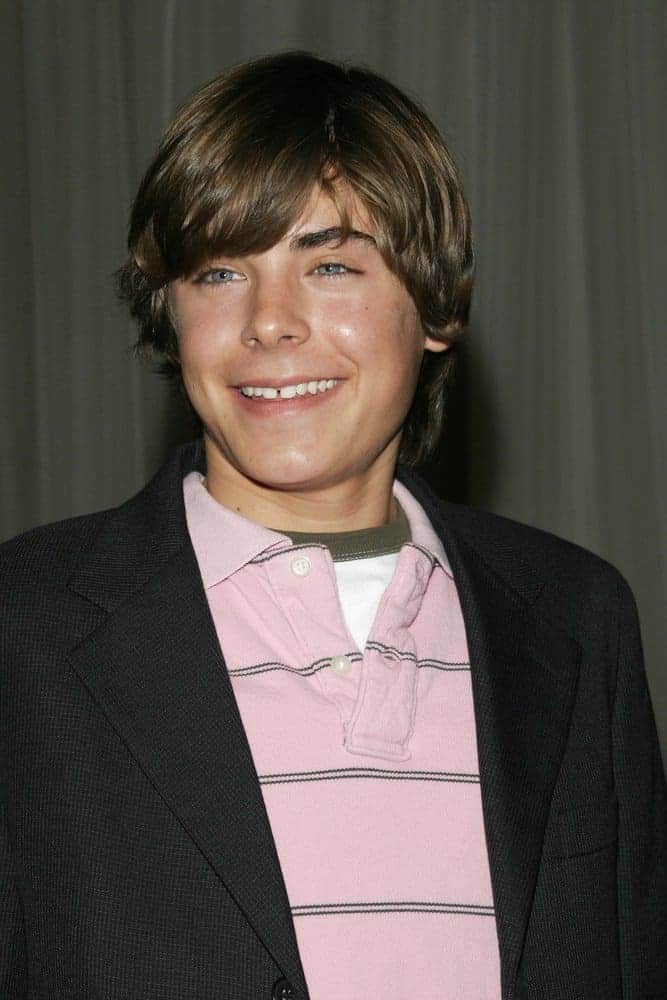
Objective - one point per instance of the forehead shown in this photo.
(321, 212)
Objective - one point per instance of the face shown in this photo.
(300, 316)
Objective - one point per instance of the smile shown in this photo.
(289, 391)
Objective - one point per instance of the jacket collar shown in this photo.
(155, 667)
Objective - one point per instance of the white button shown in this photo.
(340, 664)
(301, 566)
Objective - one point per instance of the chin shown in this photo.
(285, 479)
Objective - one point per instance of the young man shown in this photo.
(284, 724)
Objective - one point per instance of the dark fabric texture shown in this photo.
(136, 857)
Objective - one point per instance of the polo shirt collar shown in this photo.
(421, 529)
(223, 540)
(210, 522)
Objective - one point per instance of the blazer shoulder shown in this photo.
(49, 551)
(568, 581)
(488, 528)
(532, 559)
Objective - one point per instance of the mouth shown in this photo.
(310, 387)
(297, 398)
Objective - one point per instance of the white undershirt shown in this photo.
(361, 584)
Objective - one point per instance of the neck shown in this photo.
(361, 500)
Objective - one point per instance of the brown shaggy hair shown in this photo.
(234, 170)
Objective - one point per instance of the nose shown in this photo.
(274, 316)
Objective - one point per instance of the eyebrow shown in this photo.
(323, 237)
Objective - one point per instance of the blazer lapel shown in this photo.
(154, 666)
(524, 675)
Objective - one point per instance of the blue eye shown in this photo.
(331, 269)
(217, 276)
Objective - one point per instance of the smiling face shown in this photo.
(303, 311)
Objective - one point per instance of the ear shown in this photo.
(430, 344)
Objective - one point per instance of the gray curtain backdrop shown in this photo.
(557, 113)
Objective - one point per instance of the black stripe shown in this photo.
(393, 652)
(312, 668)
(431, 557)
(452, 665)
(386, 774)
(328, 909)
(354, 657)
(281, 552)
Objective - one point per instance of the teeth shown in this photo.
(289, 391)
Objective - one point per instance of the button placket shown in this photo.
(339, 681)
(294, 575)
(388, 683)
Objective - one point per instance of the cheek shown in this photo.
(200, 346)
(371, 323)
(346, 321)
(202, 364)
(200, 327)
(398, 344)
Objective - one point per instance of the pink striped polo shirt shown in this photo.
(370, 780)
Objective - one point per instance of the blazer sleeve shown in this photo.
(13, 952)
(642, 817)
(13, 960)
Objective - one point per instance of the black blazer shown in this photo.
(136, 857)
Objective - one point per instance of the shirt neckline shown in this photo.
(363, 543)
(224, 541)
